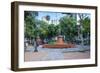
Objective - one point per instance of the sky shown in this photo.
(53, 15)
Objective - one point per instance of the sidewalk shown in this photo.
(45, 54)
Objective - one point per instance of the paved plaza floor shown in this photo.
(46, 54)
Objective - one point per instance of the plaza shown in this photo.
(47, 54)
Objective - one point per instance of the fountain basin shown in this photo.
(58, 46)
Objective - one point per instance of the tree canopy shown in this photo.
(66, 27)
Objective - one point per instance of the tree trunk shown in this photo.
(35, 46)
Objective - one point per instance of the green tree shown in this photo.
(30, 24)
(68, 27)
(86, 26)
(43, 29)
(51, 31)
(30, 27)
(84, 21)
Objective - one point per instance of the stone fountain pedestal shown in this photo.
(60, 40)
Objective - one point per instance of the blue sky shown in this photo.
(53, 15)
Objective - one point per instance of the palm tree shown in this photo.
(47, 18)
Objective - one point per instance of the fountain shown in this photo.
(60, 40)
(59, 44)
